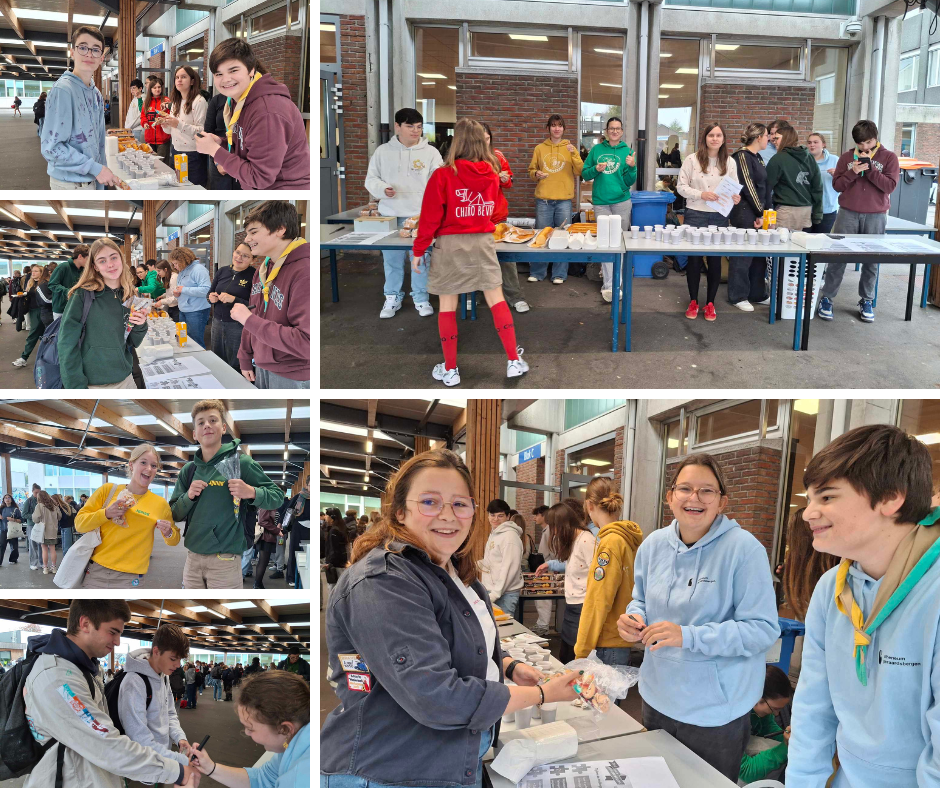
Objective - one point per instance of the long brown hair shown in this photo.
(176, 97)
(60, 502)
(390, 528)
(702, 153)
(92, 280)
(707, 461)
(788, 136)
(45, 499)
(802, 565)
(155, 80)
(163, 265)
(565, 525)
(470, 144)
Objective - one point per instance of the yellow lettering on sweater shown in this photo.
(216, 483)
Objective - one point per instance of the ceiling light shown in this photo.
(687, 71)
(364, 487)
(452, 87)
(808, 406)
(930, 438)
(665, 54)
(365, 478)
(609, 85)
(285, 455)
(727, 47)
(431, 76)
(368, 447)
(661, 95)
(599, 463)
(432, 82)
(674, 87)
(672, 443)
(609, 51)
(327, 28)
(516, 37)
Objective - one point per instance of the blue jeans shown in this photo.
(550, 213)
(614, 656)
(218, 691)
(508, 602)
(351, 781)
(395, 264)
(68, 536)
(39, 130)
(191, 695)
(246, 560)
(196, 323)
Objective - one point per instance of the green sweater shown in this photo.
(104, 357)
(613, 184)
(793, 177)
(213, 526)
(152, 285)
(63, 279)
(757, 767)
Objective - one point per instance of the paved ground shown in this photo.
(567, 339)
(23, 164)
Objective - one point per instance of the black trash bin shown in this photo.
(912, 197)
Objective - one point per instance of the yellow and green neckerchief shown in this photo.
(266, 276)
(847, 605)
(231, 118)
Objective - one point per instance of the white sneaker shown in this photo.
(449, 377)
(521, 306)
(33, 567)
(765, 301)
(533, 279)
(425, 309)
(558, 281)
(607, 295)
(744, 306)
(516, 368)
(45, 571)
(20, 362)
(391, 306)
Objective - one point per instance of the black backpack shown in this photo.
(46, 373)
(111, 691)
(19, 751)
(247, 513)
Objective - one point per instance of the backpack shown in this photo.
(216, 672)
(19, 751)
(46, 373)
(247, 513)
(111, 691)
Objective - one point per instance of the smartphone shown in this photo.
(865, 160)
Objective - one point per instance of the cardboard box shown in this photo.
(375, 224)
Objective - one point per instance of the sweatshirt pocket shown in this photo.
(697, 679)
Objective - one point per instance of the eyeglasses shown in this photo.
(683, 492)
(432, 505)
(85, 50)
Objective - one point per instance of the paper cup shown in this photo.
(523, 718)
(713, 227)
(648, 231)
(752, 239)
(634, 231)
(677, 236)
(549, 710)
(775, 236)
(765, 239)
(509, 719)
(659, 233)
(696, 237)
(706, 238)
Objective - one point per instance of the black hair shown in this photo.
(274, 214)
(864, 130)
(136, 83)
(498, 505)
(777, 684)
(150, 263)
(613, 118)
(539, 510)
(408, 115)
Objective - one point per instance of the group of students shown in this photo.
(250, 135)
(260, 325)
(41, 521)
(421, 676)
(83, 732)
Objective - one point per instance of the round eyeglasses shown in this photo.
(683, 492)
(432, 505)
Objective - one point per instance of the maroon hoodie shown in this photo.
(279, 339)
(269, 141)
(869, 192)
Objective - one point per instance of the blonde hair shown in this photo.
(143, 449)
(209, 404)
(470, 144)
(43, 276)
(822, 139)
(62, 503)
(91, 278)
(601, 493)
(182, 255)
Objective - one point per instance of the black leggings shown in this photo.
(693, 272)
(264, 555)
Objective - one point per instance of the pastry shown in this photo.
(501, 231)
(411, 222)
(404, 233)
(541, 239)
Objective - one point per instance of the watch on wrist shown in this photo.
(512, 666)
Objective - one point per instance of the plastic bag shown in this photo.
(124, 497)
(231, 468)
(135, 304)
(601, 684)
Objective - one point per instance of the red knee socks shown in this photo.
(447, 327)
(502, 317)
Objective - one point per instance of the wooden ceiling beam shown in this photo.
(10, 15)
(106, 414)
(154, 408)
(46, 413)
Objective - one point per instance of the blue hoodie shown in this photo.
(882, 730)
(721, 593)
(73, 135)
(196, 283)
(288, 769)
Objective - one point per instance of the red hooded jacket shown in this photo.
(153, 134)
(502, 206)
(457, 203)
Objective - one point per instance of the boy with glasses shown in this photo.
(73, 136)
(766, 754)
(134, 108)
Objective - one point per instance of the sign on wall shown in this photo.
(532, 453)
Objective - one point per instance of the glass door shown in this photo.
(330, 175)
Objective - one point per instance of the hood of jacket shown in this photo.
(477, 175)
(508, 527)
(630, 532)
(606, 143)
(802, 155)
(136, 662)
(266, 86)
(58, 645)
(225, 450)
(559, 144)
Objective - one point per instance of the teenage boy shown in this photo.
(870, 674)
(265, 144)
(501, 567)
(398, 174)
(768, 153)
(276, 322)
(766, 754)
(294, 663)
(134, 110)
(543, 606)
(65, 277)
(865, 177)
(203, 498)
(35, 553)
(73, 136)
(65, 700)
(154, 723)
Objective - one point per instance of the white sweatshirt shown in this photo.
(406, 170)
(132, 121)
(692, 181)
(578, 566)
(184, 137)
(502, 561)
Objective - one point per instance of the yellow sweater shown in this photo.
(561, 166)
(610, 587)
(125, 549)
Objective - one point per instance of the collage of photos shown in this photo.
(189, 482)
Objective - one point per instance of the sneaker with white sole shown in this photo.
(20, 362)
(607, 295)
(424, 308)
(866, 311)
(449, 377)
(534, 279)
(744, 306)
(824, 310)
(391, 306)
(521, 306)
(558, 281)
(516, 367)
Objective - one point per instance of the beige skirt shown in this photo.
(463, 263)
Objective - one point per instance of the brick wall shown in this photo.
(737, 105)
(515, 108)
(752, 475)
(157, 61)
(531, 472)
(926, 141)
(281, 57)
(352, 34)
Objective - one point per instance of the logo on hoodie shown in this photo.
(554, 164)
(417, 165)
(612, 162)
(878, 165)
(802, 178)
(475, 205)
(886, 659)
(80, 709)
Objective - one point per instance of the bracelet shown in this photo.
(213, 769)
(511, 668)
(542, 693)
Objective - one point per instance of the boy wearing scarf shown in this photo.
(276, 322)
(870, 675)
(865, 176)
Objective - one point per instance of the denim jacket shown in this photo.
(417, 716)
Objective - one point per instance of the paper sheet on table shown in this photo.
(360, 238)
(187, 382)
(725, 191)
(176, 367)
(881, 246)
(651, 772)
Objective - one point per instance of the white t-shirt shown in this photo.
(486, 622)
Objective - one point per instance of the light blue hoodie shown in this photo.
(195, 281)
(73, 135)
(720, 592)
(830, 195)
(288, 769)
(882, 730)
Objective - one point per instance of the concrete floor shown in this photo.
(166, 570)
(23, 164)
(567, 339)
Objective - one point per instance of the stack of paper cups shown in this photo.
(616, 229)
(603, 232)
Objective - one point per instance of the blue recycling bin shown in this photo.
(649, 208)
(789, 629)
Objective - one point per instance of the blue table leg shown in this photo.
(473, 305)
(615, 307)
(775, 261)
(627, 310)
(877, 277)
(923, 288)
(858, 266)
(462, 298)
(334, 276)
(800, 295)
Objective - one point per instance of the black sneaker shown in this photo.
(276, 575)
(249, 573)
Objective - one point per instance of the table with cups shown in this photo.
(142, 170)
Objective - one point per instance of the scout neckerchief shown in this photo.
(871, 154)
(231, 118)
(266, 278)
(917, 553)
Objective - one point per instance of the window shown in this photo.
(825, 89)
(327, 42)
(541, 48)
(907, 73)
(828, 69)
(676, 438)
(578, 411)
(908, 138)
(837, 7)
(192, 50)
(274, 19)
(801, 440)
(526, 439)
(730, 56)
(437, 55)
(933, 66)
(596, 460)
(678, 97)
(186, 17)
(921, 418)
(742, 418)
(601, 88)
